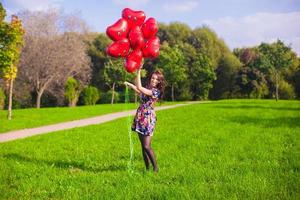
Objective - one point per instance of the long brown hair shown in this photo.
(161, 82)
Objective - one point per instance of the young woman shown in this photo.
(145, 118)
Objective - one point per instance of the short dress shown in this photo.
(145, 117)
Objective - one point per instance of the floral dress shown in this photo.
(145, 118)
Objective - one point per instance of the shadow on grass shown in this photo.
(291, 122)
(69, 165)
(259, 107)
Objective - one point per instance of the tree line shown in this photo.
(61, 62)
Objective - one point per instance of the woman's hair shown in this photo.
(161, 82)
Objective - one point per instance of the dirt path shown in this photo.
(13, 135)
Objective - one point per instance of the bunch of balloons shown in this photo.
(133, 38)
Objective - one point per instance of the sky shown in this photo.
(240, 23)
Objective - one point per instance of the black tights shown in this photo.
(148, 153)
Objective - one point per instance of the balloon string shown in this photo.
(130, 162)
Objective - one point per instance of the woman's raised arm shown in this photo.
(139, 84)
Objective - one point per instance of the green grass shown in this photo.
(29, 118)
(238, 149)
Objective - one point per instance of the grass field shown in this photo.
(237, 149)
(29, 118)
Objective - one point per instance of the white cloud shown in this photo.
(180, 7)
(131, 3)
(33, 5)
(261, 27)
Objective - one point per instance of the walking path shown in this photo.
(13, 135)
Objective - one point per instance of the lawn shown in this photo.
(235, 149)
(29, 118)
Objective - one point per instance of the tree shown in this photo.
(2, 99)
(11, 35)
(53, 52)
(206, 42)
(174, 33)
(114, 75)
(90, 95)
(226, 73)
(72, 91)
(296, 80)
(278, 56)
(201, 75)
(252, 82)
(96, 51)
(173, 63)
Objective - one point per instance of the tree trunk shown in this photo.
(38, 99)
(135, 97)
(113, 93)
(277, 85)
(73, 103)
(172, 92)
(9, 114)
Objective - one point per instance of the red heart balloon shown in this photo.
(119, 48)
(136, 38)
(136, 55)
(118, 30)
(134, 18)
(151, 48)
(149, 28)
(131, 65)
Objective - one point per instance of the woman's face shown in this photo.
(154, 80)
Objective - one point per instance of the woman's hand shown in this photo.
(130, 85)
(127, 83)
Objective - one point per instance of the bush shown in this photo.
(106, 97)
(286, 90)
(90, 95)
(2, 99)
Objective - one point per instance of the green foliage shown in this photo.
(131, 95)
(2, 99)
(11, 39)
(173, 64)
(185, 95)
(114, 72)
(106, 97)
(206, 42)
(292, 76)
(252, 83)
(296, 82)
(72, 90)
(201, 76)
(90, 95)
(225, 84)
(174, 33)
(286, 90)
(266, 65)
(98, 56)
(2, 13)
(278, 55)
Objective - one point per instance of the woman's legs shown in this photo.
(145, 156)
(146, 145)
